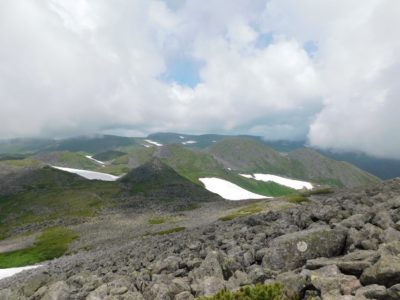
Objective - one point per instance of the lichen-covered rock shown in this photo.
(373, 291)
(386, 271)
(291, 251)
(209, 286)
(331, 282)
(34, 283)
(393, 292)
(57, 291)
(184, 296)
(353, 263)
(209, 267)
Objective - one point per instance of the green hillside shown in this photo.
(322, 169)
(48, 194)
(251, 156)
(195, 164)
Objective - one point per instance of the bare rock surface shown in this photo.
(337, 246)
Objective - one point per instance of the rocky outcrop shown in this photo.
(339, 246)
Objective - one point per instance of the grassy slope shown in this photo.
(325, 170)
(250, 155)
(50, 194)
(108, 155)
(194, 164)
(52, 243)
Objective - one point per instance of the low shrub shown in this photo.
(256, 292)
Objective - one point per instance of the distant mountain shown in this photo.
(323, 169)
(193, 156)
(383, 168)
(159, 182)
(252, 156)
(90, 144)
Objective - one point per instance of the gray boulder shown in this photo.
(331, 282)
(353, 263)
(209, 267)
(383, 220)
(291, 251)
(373, 291)
(57, 291)
(394, 292)
(386, 271)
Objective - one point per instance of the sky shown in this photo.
(322, 71)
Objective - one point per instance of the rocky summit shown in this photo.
(343, 245)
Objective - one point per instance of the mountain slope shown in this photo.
(40, 197)
(160, 183)
(252, 156)
(320, 168)
(194, 164)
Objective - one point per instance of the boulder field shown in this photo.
(344, 245)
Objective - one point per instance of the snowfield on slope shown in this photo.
(189, 142)
(89, 174)
(95, 160)
(153, 143)
(4, 273)
(292, 183)
(228, 190)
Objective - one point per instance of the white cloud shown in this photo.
(84, 66)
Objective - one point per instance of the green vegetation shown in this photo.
(320, 191)
(76, 160)
(257, 292)
(49, 194)
(108, 155)
(156, 221)
(194, 164)
(22, 163)
(169, 231)
(249, 155)
(52, 243)
(297, 199)
(251, 209)
(189, 207)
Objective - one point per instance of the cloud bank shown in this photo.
(284, 69)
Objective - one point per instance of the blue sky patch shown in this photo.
(183, 70)
(311, 48)
(264, 39)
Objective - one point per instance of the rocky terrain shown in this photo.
(344, 245)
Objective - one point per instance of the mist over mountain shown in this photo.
(209, 150)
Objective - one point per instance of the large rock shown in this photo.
(209, 286)
(292, 250)
(394, 292)
(332, 283)
(386, 271)
(211, 266)
(373, 291)
(57, 291)
(353, 263)
(383, 219)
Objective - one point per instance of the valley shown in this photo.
(62, 209)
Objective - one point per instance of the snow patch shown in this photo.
(228, 190)
(153, 143)
(181, 137)
(147, 146)
(4, 273)
(189, 142)
(89, 174)
(95, 160)
(247, 176)
(292, 183)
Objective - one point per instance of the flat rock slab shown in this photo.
(291, 251)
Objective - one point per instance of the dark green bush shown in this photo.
(256, 292)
